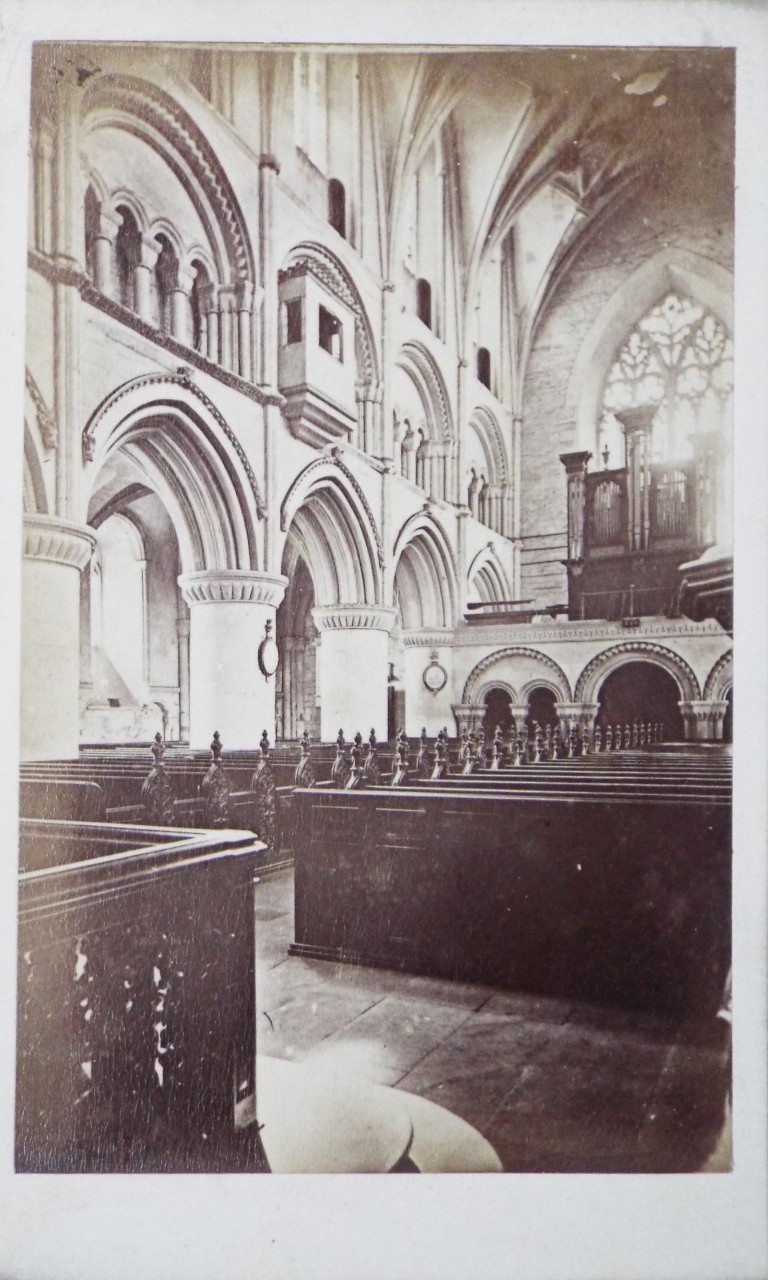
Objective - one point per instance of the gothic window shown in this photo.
(679, 357)
(484, 367)
(337, 206)
(127, 256)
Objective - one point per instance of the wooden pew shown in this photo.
(625, 901)
(136, 1008)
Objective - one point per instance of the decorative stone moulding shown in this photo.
(57, 541)
(232, 586)
(349, 617)
(434, 639)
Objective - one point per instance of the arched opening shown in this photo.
(541, 708)
(644, 692)
(127, 256)
(132, 646)
(424, 302)
(296, 688)
(199, 295)
(166, 282)
(337, 199)
(484, 366)
(498, 713)
(728, 718)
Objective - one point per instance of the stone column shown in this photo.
(55, 553)
(580, 714)
(229, 609)
(352, 668)
(142, 278)
(469, 718)
(703, 720)
(576, 469)
(108, 229)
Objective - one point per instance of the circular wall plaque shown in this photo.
(435, 677)
(268, 655)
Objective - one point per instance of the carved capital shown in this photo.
(433, 639)
(232, 586)
(57, 541)
(354, 617)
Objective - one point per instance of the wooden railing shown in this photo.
(136, 1034)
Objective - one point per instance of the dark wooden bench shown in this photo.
(136, 1009)
(625, 901)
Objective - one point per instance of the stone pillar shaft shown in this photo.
(229, 610)
(352, 669)
(55, 553)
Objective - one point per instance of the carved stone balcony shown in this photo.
(316, 361)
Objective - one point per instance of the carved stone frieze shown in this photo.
(573, 632)
(58, 541)
(346, 617)
(434, 639)
(232, 586)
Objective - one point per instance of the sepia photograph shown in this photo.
(376, 667)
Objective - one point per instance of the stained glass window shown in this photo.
(680, 358)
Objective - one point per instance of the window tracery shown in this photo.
(679, 357)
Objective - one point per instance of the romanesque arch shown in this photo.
(144, 110)
(595, 672)
(720, 679)
(544, 671)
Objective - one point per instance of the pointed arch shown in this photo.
(325, 534)
(331, 527)
(488, 577)
(425, 576)
(667, 271)
(485, 427)
(182, 446)
(419, 364)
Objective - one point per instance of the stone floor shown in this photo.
(555, 1086)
